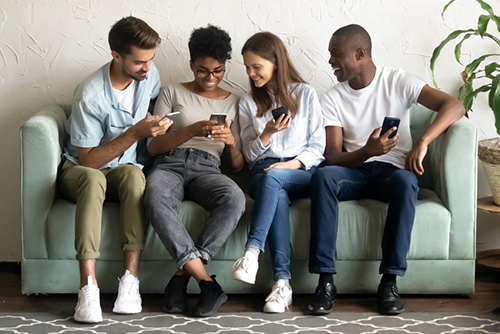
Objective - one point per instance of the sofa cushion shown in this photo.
(361, 225)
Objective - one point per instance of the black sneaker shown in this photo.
(323, 299)
(211, 298)
(389, 301)
(176, 295)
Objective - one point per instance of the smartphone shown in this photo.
(278, 112)
(220, 118)
(170, 114)
(390, 122)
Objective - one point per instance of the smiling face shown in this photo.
(208, 73)
(259, 69)
(343, 58)
(135, 65)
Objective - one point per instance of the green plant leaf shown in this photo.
(494, 100)
(492, 15)
(482, 24)
(490, 68)
(446, 7)
(475, 64)
(458, 47)
(437, 50)
(464, 94)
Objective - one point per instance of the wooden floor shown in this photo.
(486, 298)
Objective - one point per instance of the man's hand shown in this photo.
(415, 157)
(222, 133)
(151, 126)
(381, 144)
(291, 164)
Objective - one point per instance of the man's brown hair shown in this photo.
(131, 31)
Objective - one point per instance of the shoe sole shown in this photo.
(221, 300)
(395, 312)
(280, 311)
(321, 312)
(175, 310)
(242, 278)
(126, 312)
(77, 319)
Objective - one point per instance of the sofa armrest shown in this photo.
(42, 139)
(453, 161)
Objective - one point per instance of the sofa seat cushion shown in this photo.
(361, 227)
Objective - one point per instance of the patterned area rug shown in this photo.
(358, 323)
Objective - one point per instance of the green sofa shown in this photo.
(441, 258)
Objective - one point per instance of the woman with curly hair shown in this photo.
(283, 142)
(187, 168)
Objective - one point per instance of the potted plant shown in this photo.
(481, 75)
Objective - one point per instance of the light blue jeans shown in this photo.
(272, 191)
(191, 174)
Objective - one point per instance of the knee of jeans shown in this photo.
(405, 182)
(133, 180)
(92, 180)
(235, 198)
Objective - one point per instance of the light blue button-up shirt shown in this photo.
(97, 117)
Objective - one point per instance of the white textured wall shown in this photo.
(48, 46)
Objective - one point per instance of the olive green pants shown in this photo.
(88, 188)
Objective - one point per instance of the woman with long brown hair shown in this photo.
(283, 142)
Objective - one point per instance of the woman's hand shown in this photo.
(291, 164)
(201, 128)
(274, 126)
(222, 133)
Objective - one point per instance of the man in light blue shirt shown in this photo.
(109, 115)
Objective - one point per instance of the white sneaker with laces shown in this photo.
(245, 269)
(279, 299)
(129, 299)
(88, 307)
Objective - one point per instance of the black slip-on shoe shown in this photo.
(211, 298)
(389, 301)
(176, 295)
(323, 299)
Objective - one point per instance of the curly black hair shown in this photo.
(212, 42)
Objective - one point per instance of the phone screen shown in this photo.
(220, 118)
(390, 122)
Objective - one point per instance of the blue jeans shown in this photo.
(191, 174)
(376, 180)
(272, 191)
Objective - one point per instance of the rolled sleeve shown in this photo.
(86, 128)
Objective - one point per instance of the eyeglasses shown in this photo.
(219, 73)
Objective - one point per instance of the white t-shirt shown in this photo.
(126, 97)
(358, 112)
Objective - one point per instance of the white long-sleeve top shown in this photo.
(304, 139)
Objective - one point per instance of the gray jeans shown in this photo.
(191, 174)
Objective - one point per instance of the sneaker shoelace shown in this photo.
(243, 263)
(90, 295)
(127, 286)
(278, 295)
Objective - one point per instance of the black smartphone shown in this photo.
(390, 122)
(278, 112)
(220, 118)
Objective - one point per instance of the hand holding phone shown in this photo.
(278, 112)
(170, 115)
(390, 122)
(220, 118)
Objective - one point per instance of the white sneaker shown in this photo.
(245, 269)
(279, 298)
(129, 300)
(88, 308)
